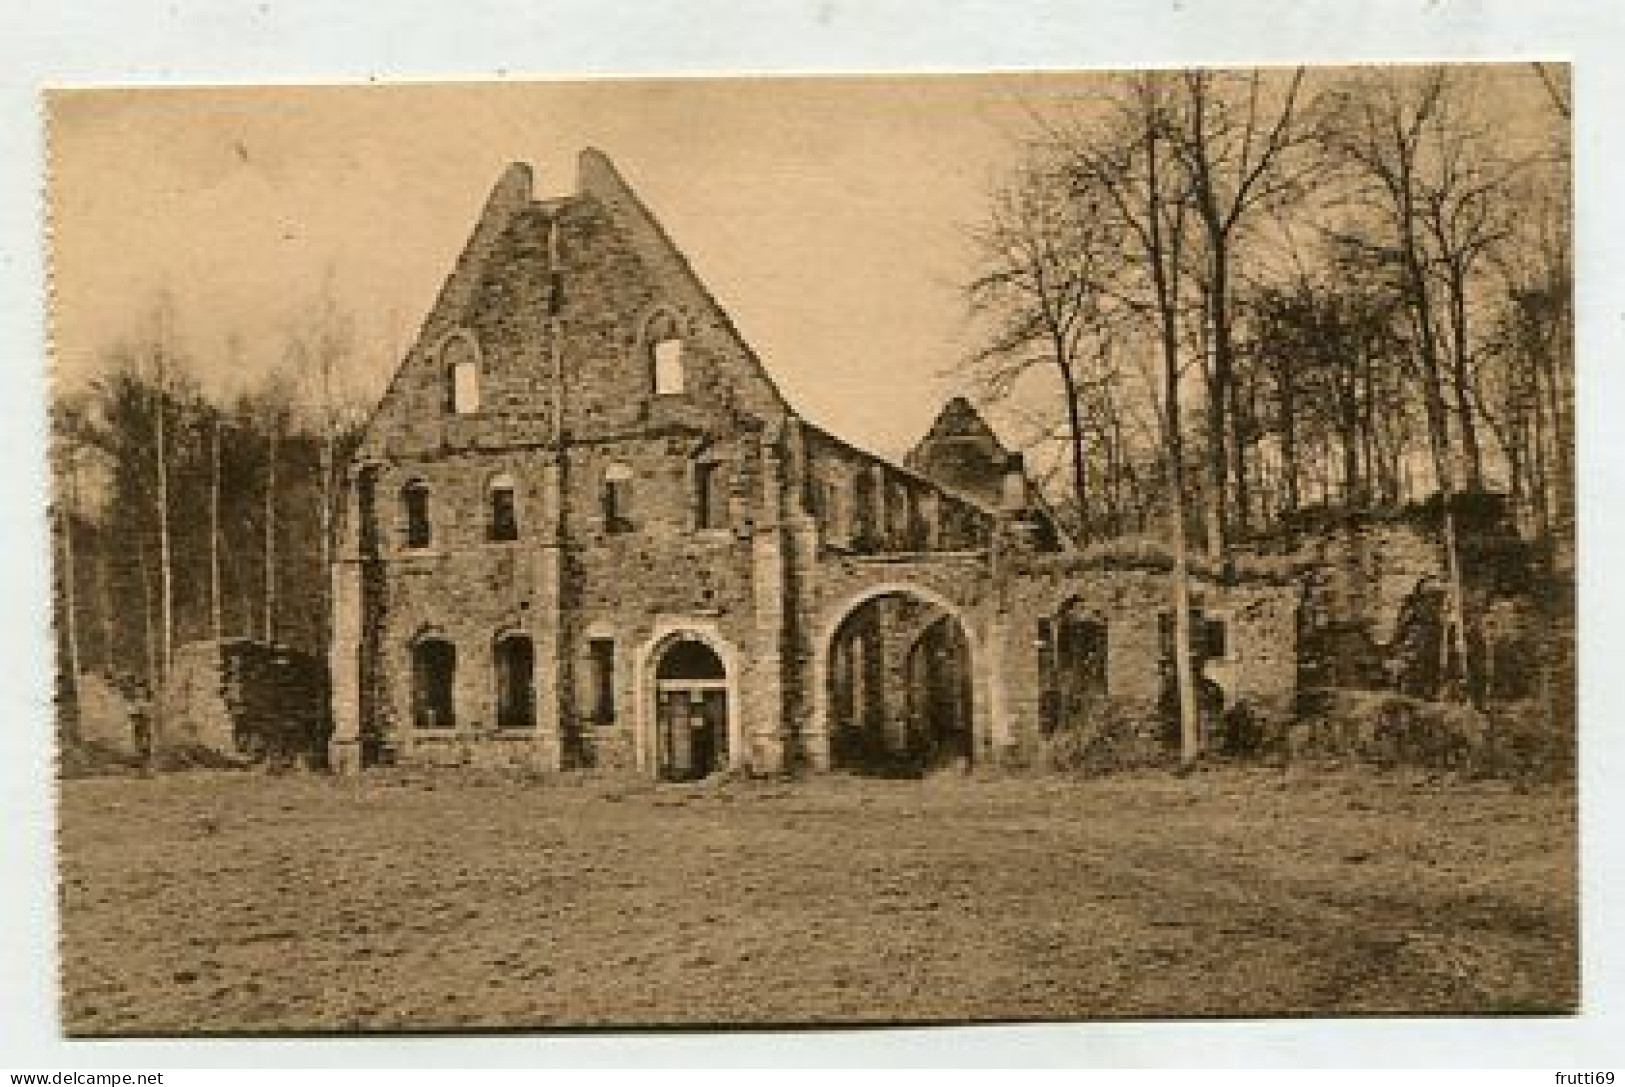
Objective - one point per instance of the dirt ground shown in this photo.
(238, 903)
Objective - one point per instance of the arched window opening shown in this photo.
(515, 660)
(415, 507)
(617, 498)
(504, 519)
(664, 343)
(434, 676)
(461, 362)
(668, 356)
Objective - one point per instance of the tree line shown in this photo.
(180, 514)
(1244, 296)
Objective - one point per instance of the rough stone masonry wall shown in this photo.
(105, 715)
(243, 698)
(626, 586)
(1260, 667)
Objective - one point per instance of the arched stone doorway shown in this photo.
(692, 726)
(898, 685)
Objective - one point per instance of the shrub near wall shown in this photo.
(244, 700)
(1512, 739)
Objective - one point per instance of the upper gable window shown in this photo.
(461, 362)
(668, 368)
(664, 343)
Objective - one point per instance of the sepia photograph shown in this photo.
(813, 551)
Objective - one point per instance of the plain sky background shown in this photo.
(830, 216)
(101, 41)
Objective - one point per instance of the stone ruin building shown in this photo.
(585, 529)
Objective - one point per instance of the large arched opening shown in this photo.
(898, 685)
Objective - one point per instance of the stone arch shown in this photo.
(646, 663)
(835, 618)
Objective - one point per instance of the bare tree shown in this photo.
(1385, 127)
(1135, 164)
(319, 350)
(1047, 253)
(1233, 135)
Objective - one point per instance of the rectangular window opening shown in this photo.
(617, 499)
(602, 654)
(504, 515)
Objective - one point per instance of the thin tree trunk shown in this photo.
(149, 640)
(270, 534)
(166, 599)
(1288, 394)
(66, 512)
(215, 621)
(1472, 455)
(1074, 420)
(1190, 738)
(104, 610)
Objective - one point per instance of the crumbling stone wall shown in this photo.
(243, 698)
(107, 715)
(1258, 666)
(557, 303)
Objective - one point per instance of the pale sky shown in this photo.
(827, 215)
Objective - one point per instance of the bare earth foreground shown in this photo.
(237, 903)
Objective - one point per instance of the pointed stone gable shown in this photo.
(510, 196)
(958, 419)
(961, 452)
(748, 378)
(602, 265)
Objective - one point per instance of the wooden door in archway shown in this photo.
(691, 712)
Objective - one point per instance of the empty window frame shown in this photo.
(503, 522)
(462, 367)
(668, 367)
(664, 344)
(434, 682)
(862, 535)
(415, 510)
(515, 661)
(616, 498)
(601, 670)
(710, 494)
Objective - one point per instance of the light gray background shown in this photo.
(140, 41)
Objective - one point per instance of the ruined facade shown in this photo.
(584, 529)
